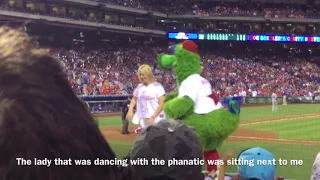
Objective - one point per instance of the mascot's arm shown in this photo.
(220, 123)
(226, 121)
(178, 108)
(171, 96)
(230, 118)
(183, 105)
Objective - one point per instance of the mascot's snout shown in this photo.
(165, 61)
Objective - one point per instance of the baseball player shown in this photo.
(313, 96)
(284, 97)
(274, 102)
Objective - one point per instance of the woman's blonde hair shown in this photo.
(146, 69)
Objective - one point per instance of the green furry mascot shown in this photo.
(195, 104)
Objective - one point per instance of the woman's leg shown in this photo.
(144, 122)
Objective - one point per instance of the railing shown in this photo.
(105, 104)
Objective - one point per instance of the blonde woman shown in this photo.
(148, 97)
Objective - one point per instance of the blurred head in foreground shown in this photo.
(41, 117)
(251, 169)
(167, 140)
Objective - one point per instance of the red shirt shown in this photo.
(112, 91)
(105, 91)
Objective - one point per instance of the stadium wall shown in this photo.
(294, 99)
(113, 103)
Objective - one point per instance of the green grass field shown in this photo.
(305, 129)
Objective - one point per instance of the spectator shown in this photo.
(148, 97)
(259, 172)
(316, 168)
(41, 117)
(248, 168)
(167, 140)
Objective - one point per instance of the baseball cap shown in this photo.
(258, 171)
(167, 140)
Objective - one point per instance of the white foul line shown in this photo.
(279, 120)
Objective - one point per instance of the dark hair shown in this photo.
(41, 117)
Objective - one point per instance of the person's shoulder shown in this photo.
(139, 85)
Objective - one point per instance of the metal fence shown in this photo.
(105, 104)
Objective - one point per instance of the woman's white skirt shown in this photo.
(143, 122)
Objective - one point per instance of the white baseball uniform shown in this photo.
(243, 94)
(147, 103)
(274, 102)
(312, 94)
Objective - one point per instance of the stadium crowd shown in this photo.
(57, 125)
(223, 8)
(111, 72)
(189, 8)
(218, 10)
(84, 17)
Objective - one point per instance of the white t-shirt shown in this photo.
(243, 93)
(254, 93)
(148, 99)
(198, 89)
